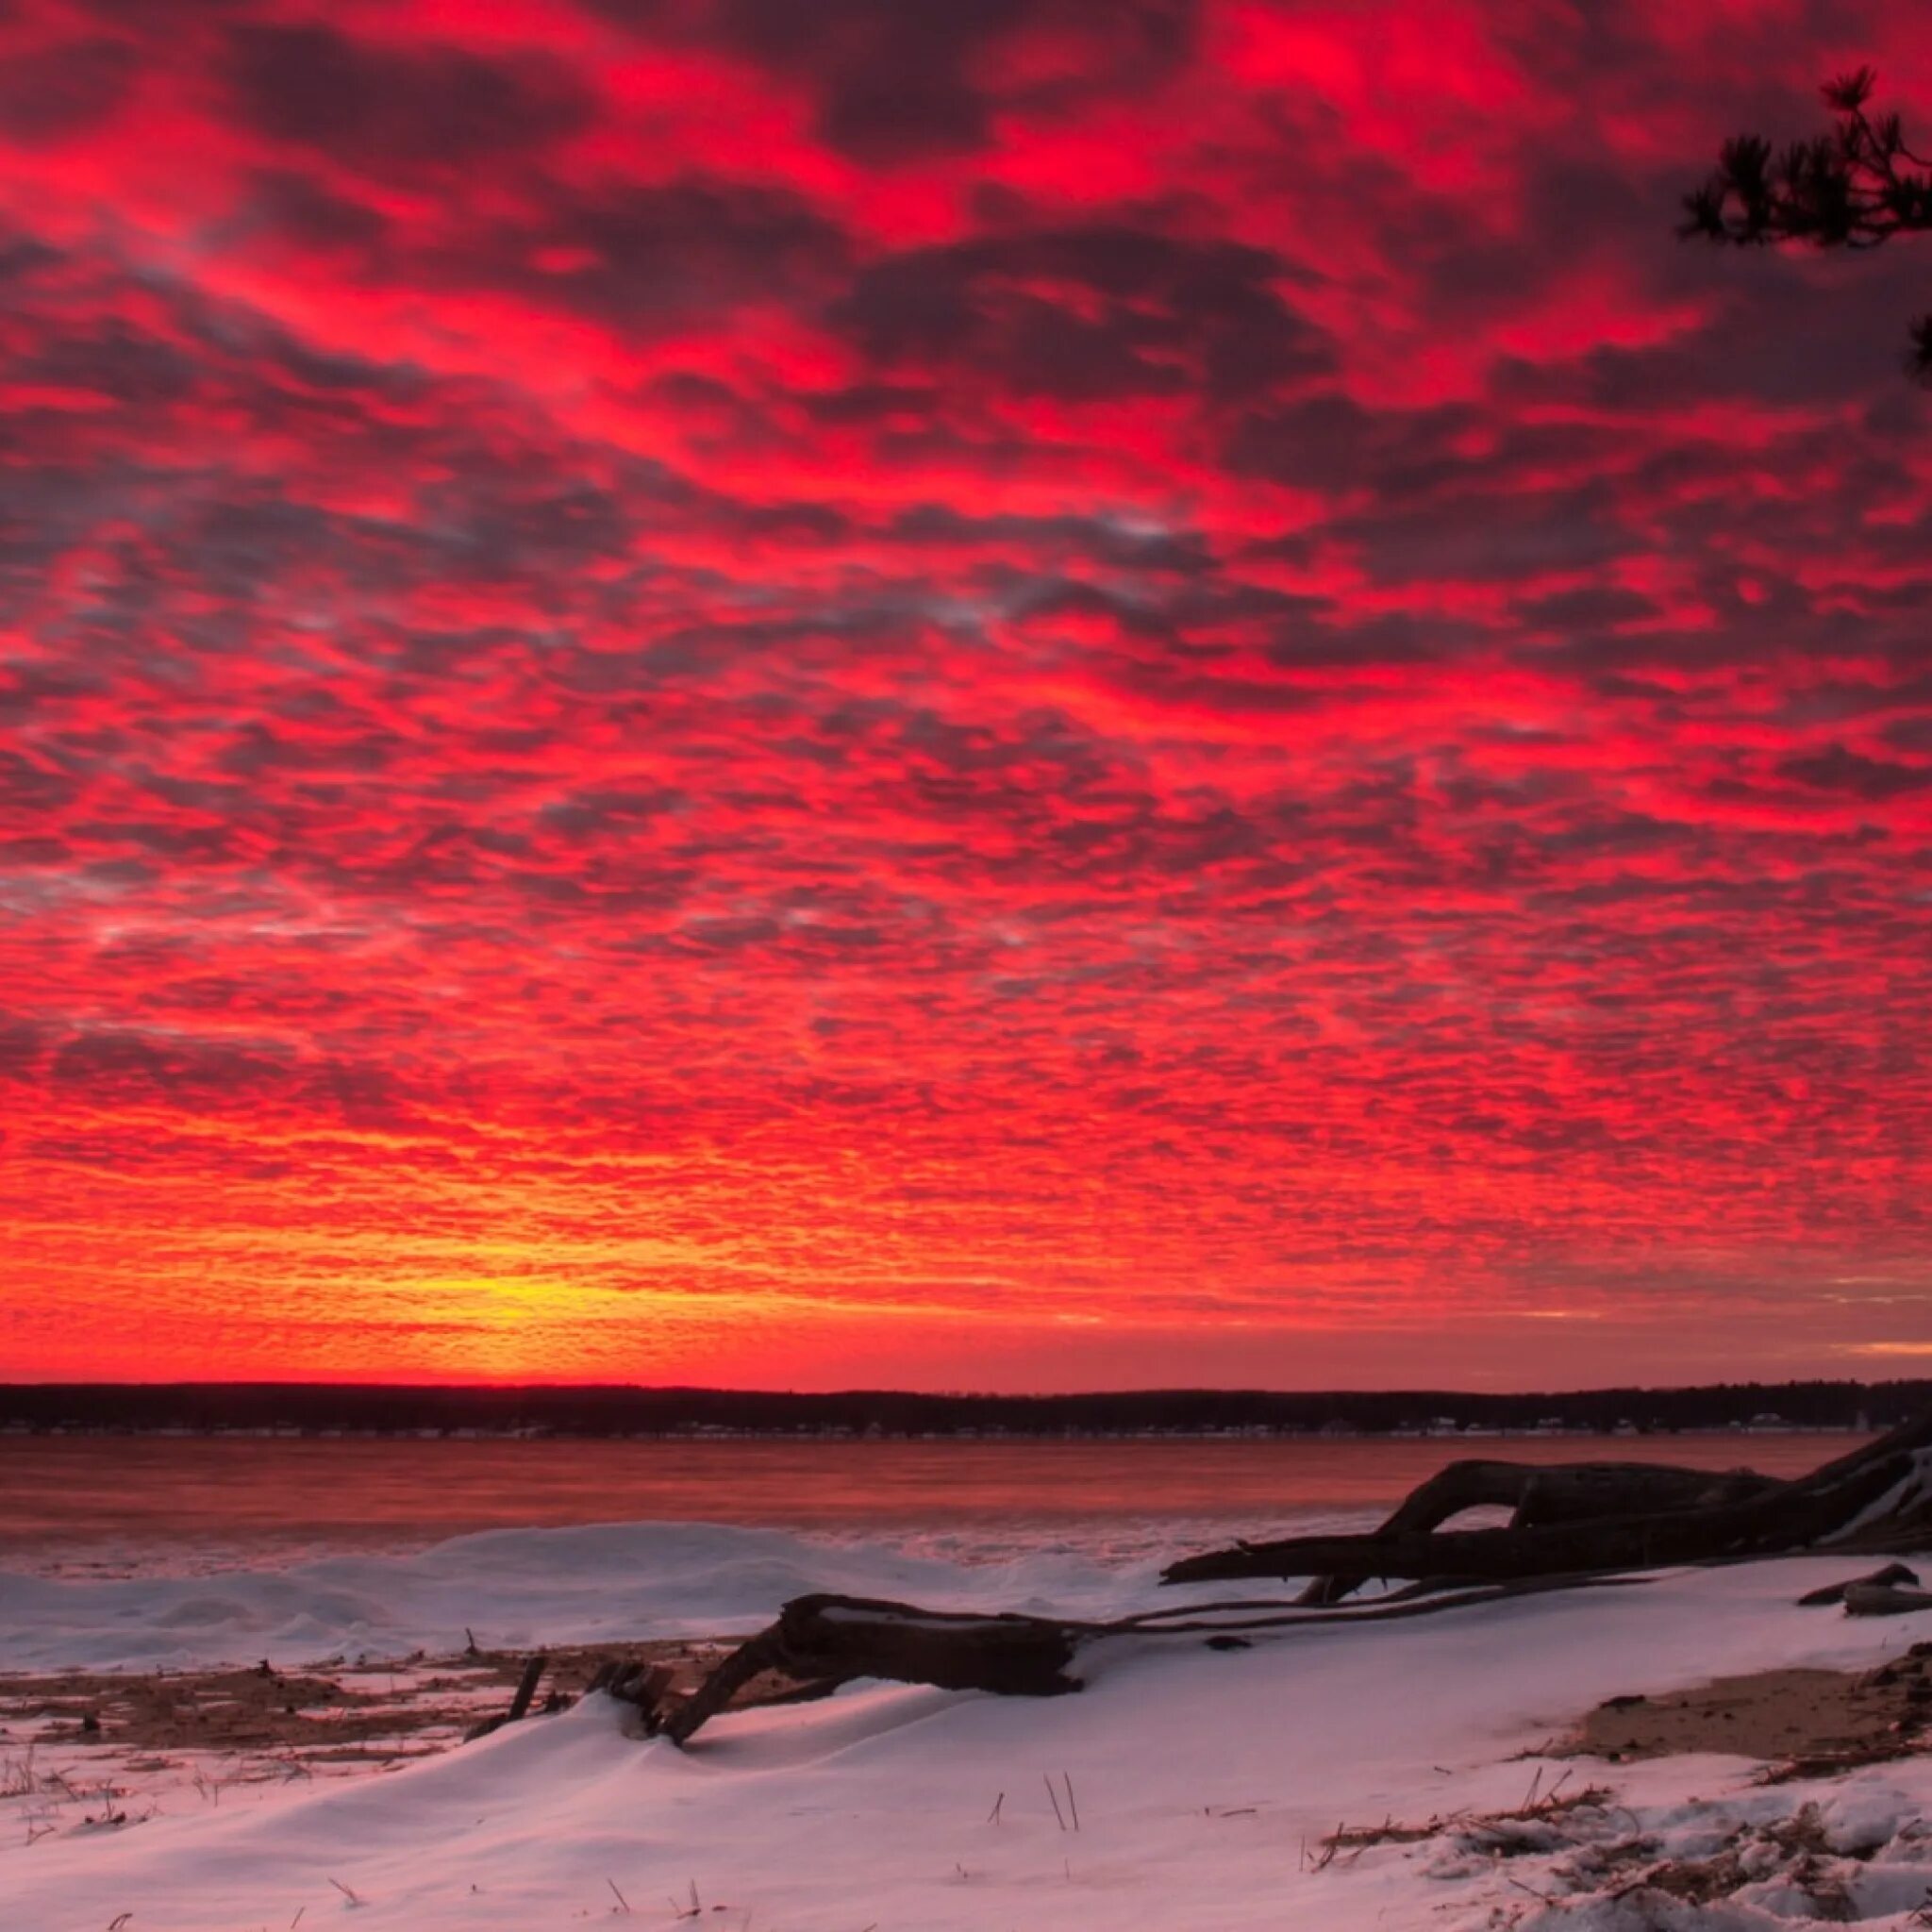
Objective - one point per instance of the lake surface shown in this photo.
(167, 1505)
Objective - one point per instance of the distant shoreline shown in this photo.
(962, 1439)
(1474, 1432)
(374, 1411)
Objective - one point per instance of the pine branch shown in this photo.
(1856, 187)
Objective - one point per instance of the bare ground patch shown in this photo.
(362, 1712)
(1810, 1720)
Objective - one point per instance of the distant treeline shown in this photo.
(616, 1411)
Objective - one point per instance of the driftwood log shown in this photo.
(1835, 1592)
(1587, 1518)
(1574, 1525)
(824, 1641)
(1551, 1493)
(518, 1704)
(821, 1641)
(1884, 1600)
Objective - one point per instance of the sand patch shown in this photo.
(1807, 1721)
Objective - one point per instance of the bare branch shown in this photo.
(1855, 186)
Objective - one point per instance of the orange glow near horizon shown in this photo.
(1032, 697)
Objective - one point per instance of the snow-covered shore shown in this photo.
(601, 1582)
(1204, 1781)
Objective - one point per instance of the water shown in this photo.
(121, 1506)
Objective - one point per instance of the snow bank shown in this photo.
(1203, 1781)
(516, 1588)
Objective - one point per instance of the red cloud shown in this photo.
(1058, 693)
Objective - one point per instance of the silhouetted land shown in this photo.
(618, 1411)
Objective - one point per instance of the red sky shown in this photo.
(1028, 693)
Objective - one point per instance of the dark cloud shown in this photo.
(892, 84)
(1087, 313)
(1598, 607)
(1840, 769)
(57, 93)
(667, 255)
(298, 209)
(1479, 535)
(122, 1067)
(382, 109)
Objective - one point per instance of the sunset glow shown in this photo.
(1031, 694)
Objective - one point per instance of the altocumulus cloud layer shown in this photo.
(1029, 692)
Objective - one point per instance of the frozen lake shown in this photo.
(108, 1506)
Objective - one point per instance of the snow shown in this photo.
(514, 1587)
(1204, 1781)
(1904, 1496)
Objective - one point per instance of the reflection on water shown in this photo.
(94, 1504)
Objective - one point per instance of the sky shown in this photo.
(1027, 695)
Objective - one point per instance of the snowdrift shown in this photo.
(1205, 1782)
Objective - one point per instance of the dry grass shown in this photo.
(1530, 1828)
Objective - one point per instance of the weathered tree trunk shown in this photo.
(1574, 1525)
(1883, 1600)
(1551, 1492)
(1877, 1495)
(518, 1704)
(831, 1639)
(1570, 1491)
(1835, 1592)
